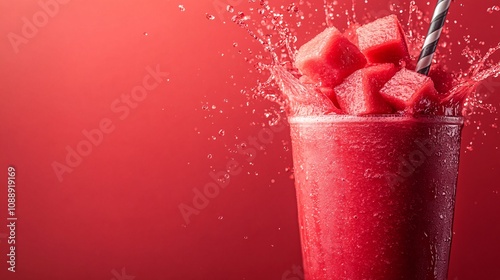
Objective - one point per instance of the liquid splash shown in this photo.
(463, 95)
(302, 100)
(276, 30)
(493, 9)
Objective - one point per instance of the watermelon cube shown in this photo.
(359, 93)
(329, 92)
(408, 90)
(383, 40)
(443, 78)
(329, 58)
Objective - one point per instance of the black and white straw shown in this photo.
(432, 39)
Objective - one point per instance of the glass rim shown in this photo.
(456, 120)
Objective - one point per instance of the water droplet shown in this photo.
(220, 217)
(368, 173)
(145, 34)
(235, 44)
(229, 8)
(222, 132)
(209, 156)
(493, 9)
(210, 17)
(245, 237)
(182, 8)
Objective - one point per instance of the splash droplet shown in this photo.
(182, 8)
(230, 8)
(210, 17)
(493, 9)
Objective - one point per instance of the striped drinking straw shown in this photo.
(432, 39)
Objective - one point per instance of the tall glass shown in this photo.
(376, 195)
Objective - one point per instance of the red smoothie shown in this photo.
(376, 194)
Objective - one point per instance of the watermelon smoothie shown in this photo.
(375, 194)
(376, 147)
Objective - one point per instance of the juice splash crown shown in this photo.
(276, 30)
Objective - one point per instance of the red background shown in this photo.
(119, 207)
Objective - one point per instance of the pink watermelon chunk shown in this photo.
(383, 41)
(443, 79)
(329, 92)
(329, 57)
(407, 89)
(359, 93)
